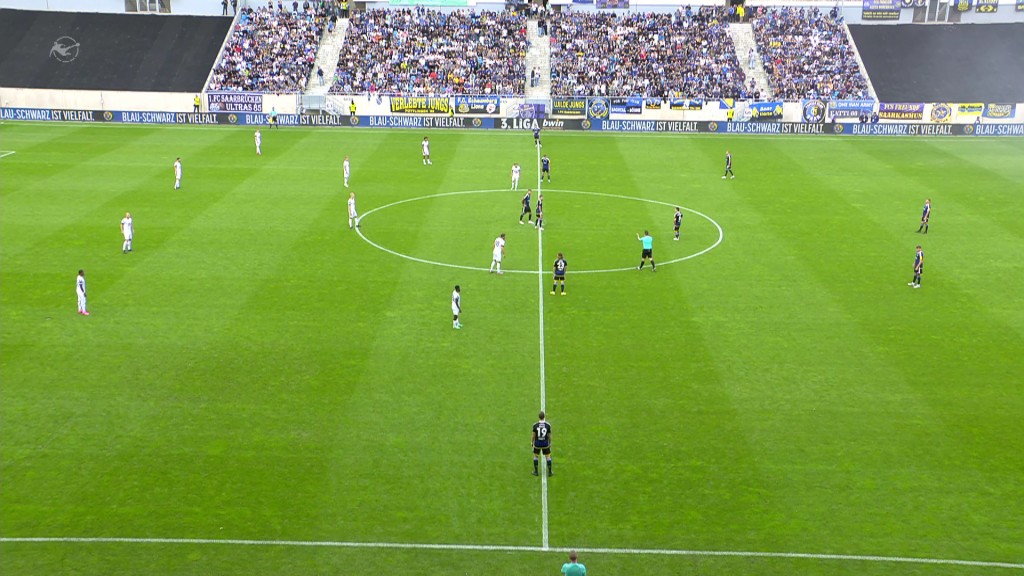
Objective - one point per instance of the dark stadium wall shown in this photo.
(96, 51)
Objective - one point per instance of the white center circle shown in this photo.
(359, 230)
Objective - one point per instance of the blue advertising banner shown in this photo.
(486, 105)
(685, 104)
(880, 10)
(652, 104)
(631, 105)
(901, 111)
(849, 108)
(524, 124)
(986, 6)
(234, 101)
(1020, 6)
(961, 5)
(766, 110)
(1000, 111)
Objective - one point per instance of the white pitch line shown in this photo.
(6, 153)
(509, 548)
(721, 234)
(543, 381)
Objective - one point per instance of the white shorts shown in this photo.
(352, 214)
(497, 256)
(455, 311)
(128, 236)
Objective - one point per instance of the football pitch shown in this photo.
(261, 390)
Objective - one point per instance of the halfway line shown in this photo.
(543, 385)
(499, 548)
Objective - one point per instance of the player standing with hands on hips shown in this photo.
(541, 441)
(177, 173)
(426, 151)
(353, 217)
(926, 215)
(918, 268)
(128, 231)
(80, 291)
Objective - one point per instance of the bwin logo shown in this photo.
(65, 49)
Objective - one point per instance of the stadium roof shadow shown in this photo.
(89, 51)
(944, 63)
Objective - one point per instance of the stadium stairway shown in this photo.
(743, 38)
(327, 58)
(538, 57)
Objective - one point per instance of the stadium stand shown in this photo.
(93, 51)
(270, 50)
(424, 51)
(961, 63)
(687, 54)
(807, 54)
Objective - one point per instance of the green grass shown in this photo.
(255, 370)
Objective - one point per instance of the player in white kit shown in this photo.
(80, 291)
(177, 174)
(127, 230)
(259, 142)
(456, 307)
(426, 151)
(499, 253)
(515, 176)
(353, 218)
(346, 169)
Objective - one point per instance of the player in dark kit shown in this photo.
(545, 167)
(677, 221)
(728, 165)
(541, 441)
(536, 136)
(918, 268)
(560, 267)
(539, 223)
(926, 214)
(526, 207)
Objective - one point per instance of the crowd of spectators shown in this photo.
(271, 49)
(687, 54)
(808, 54)
(420, 51)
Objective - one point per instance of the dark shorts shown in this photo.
(924, 219)
(676, 228)
(546, 170)
(546, 449)
(559, 277)
(526, 210)
(647, 254)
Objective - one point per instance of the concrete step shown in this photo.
(327, 57)
(743, 39)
